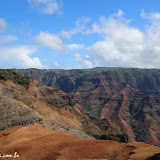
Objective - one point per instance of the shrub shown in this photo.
(6, 74)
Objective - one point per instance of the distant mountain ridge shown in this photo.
(146, 81)
(127, 97)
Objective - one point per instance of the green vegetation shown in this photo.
(78, 73)
(133, 123)
(153, 120)
(87, 107)
(106, 131)
(96, 112)
(6, 74)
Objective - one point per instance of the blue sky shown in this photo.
(73, 34)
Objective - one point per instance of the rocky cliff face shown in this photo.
(127, 97)
(21, 108)
(50, 107)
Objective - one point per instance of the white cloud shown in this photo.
(153, 17)
(51, 41)
(7, 38)
(68, 34)
(18, 57)
(121, 43)
(80, 26)
(3, 25)
(56, 64)
(109, 53)
(82, 21)
(47, 6)
(126, 46)
(75, 46)
(54, 42)
(119, 13)
(118, 30)
(84, 60)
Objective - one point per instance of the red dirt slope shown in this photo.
(37, 143)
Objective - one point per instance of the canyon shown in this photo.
(128, 97)
(96, 117)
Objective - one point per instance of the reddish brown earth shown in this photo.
(37, 143)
